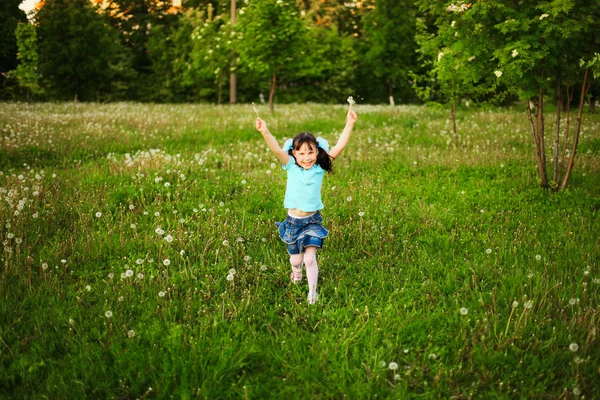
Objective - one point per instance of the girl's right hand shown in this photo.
(261, 125)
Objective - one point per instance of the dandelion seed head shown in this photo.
(489, 251)
(528, 304)
(167, 262)
(464, 311)
(108, 314)
(131, 333)
(128, 273)
(98, 214)
(538, 257)
(161, 294)
(498, 74)
(229, 277)
(393, 366)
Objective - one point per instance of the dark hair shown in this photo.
(323, 158)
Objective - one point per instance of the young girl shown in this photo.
(305, 158)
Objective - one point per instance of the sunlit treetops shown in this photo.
(116, 12)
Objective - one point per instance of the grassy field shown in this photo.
(448, 272)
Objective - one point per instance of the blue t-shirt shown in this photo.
(303, 187)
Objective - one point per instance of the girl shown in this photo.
(305, 158)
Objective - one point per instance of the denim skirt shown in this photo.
(299, 233)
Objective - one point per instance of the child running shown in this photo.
(305, 158)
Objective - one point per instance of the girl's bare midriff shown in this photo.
(296, 212)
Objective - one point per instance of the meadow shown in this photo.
(140, 257)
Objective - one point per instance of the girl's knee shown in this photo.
(296, 259)
(310, 257)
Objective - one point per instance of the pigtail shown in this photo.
(324, 160)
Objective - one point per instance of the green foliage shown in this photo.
(390, 40)
(27, 74)
(272, 39)
(79, 53)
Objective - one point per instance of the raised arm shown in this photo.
(261, 126)
(345, 136)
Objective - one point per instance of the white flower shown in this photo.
(140, 275)
(108, 314)
(528, 304)
(464, 311)
(133, 226)
(432, 356)
(471, 58)
(63, 261)
(243, 181)
(167, 184)
(247, 258)
(349, 198)
(361, 213)
(131, 206)
(156, 214)
(139, 261)
(538, 257)
(166, 262)
(182, 253)
(515, 304)
(131, 333)
(453, 24)
(572, 301)
(393, 366)
(498, 73)
(515, 53)
(98, 214)
(229, 277)
(128, 273)
(232, 271)
(573, 347)
(225, 243)
(161, 294)
(169, 238)
(489, 251)
(576, 391)
(440, 55)
(263, 267)
(44, 266)
(159, 231)
(543, 16)
(88, 288)
(111, 275)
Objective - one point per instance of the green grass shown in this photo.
(419, 228)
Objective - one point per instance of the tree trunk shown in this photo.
(453, 114)
(568, 123)
(555, 177)
(232, 80)
(272, 91)
(538, 156)
(391, 92)
(220, 88)
(571, 161)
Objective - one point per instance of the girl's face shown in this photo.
(306, 155)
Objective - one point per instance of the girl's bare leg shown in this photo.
(312, 272)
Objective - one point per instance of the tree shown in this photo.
(26, 73)
(390, 38)
(453, 70)
(10, 15)
(78, 50)
(212, 52)
(533, 48)
(273, 33)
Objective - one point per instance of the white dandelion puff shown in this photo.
(464, 311)
(108, 314)
(573, 347)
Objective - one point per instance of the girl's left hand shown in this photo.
(351, 117)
